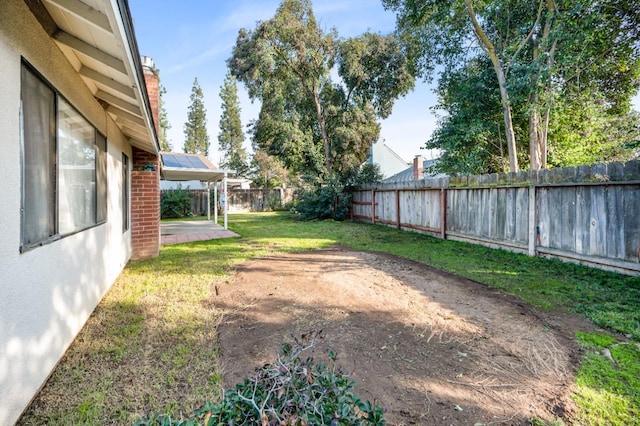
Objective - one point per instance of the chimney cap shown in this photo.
(147, 62)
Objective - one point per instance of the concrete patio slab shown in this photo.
(189, 231)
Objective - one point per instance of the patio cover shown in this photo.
(177, 166)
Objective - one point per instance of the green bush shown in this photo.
(325, 202)
(290, 391)
(332, 199)
(273, 201)
(175, 203)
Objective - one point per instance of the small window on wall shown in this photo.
(64, 182)
(125, 193)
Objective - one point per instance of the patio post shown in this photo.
(215, 202)
(208, 202)
(226, 199)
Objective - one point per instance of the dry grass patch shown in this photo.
(150, 345)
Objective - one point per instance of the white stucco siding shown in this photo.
(47, 293)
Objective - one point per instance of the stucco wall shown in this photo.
(47, 293)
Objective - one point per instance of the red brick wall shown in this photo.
(153, 83)
(145, 206)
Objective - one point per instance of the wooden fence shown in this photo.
(242, 200)
(588, 214)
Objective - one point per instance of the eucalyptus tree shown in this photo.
(195, 129)
(231, 136)
(316, 125)
(540, 51)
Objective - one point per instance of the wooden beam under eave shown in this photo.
(85, 48)
(123, 115)
(113, 100)
(42, 15)
(84, 12)
(108, 82)
(133, 133)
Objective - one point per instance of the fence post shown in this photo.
(443, 213)
(532, 220)
(398, 208)
(373, 206)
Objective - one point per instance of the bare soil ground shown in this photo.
(430, 347)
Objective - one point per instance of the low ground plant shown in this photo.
(293, 390)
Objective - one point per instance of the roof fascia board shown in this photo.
(125, 26)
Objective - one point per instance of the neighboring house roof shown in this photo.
(389, 162)
(98, 40)
(179, 166)
(407, 174)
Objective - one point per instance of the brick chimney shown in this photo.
(153, 89)
(418, 167)
(145, 181)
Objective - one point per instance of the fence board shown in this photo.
(615, 224)
(583, 220)
(522, 216)
(632, 224)
(598, 241)
(568, 218)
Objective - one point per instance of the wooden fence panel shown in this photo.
(588, 214)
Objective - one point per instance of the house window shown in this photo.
(125, 192)
(64, 185)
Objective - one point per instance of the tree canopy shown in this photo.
(533, 59)
(165, 143)
(231, 136)
(195, 129)
(317, 126)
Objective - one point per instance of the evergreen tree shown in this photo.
(165, 144)
(231, 137)
(195, 129)
(319, 126)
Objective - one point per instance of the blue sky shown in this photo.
(194, 38)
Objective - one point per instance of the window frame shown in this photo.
(101, 161)
(126, 191)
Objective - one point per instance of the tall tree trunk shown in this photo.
(535, 160)
(544, 139)
(506, 111)
(539, 128)
(323, 132)
(490, 50)
(544, 132)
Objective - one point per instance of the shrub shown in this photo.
(273, 201)
(290, 391)
(175, 203)
(332, 200)
(324, 202)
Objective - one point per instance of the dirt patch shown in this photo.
(430, 347)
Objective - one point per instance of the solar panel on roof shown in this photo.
(183, 161)
(170, 160)
(197, 163)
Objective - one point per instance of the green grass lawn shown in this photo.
(150, 345)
